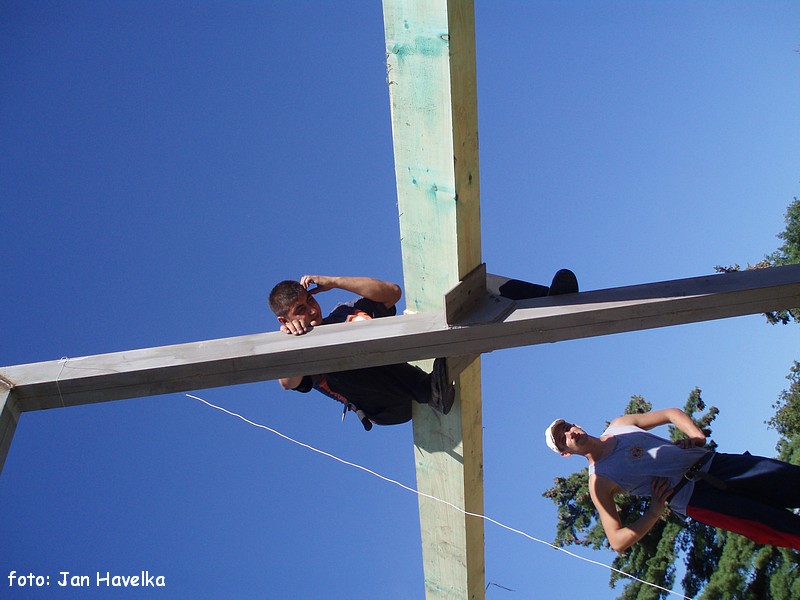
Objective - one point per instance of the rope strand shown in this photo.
(445, 502)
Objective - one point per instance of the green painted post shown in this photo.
(430, 55)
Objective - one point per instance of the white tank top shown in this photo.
(639, 456)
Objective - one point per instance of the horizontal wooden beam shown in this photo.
(265, 356)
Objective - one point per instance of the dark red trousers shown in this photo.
(755, 502)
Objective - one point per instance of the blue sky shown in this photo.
(162, 164)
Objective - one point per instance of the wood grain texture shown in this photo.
(430, 49)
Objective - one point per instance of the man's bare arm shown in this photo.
(622, 537)
(373, 289)
(675, 416)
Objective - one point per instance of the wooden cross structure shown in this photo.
(430, 50)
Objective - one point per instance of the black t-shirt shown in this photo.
(384, 393)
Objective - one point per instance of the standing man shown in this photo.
(742, 493)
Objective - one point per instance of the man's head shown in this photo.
(564, 438)
(290, 301)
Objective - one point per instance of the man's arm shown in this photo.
(675, 416)
(373, 289)
(619, 537)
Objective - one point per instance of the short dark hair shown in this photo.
(284, 295)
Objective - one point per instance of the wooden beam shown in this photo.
(264, 356)
(9, 417)
(465, 298)
(430, 49)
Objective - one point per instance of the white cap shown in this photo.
(550, 438)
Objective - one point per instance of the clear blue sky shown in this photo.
(162, 164)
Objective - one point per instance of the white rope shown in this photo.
(445, 502)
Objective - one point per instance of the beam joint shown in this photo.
(9, 417)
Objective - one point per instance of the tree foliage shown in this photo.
(787, 418)
(787, 254)
(746, 570)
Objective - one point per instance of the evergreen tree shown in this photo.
(787, 419)
(787, 254)
(747, 570)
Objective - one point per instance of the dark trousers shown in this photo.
(384, 393)
(758, 493)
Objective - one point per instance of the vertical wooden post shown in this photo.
(430, 50)
(9, 417)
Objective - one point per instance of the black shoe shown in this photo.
(515, 289)
(564, 282)
(443, 392)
